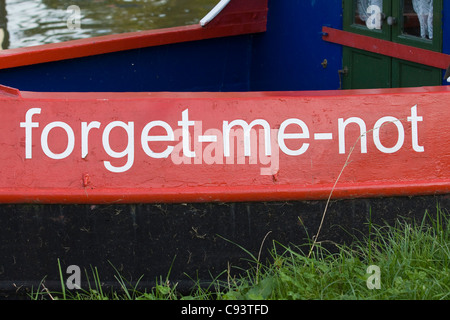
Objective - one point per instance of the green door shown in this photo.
(411, 22)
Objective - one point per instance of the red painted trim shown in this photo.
(388, 48)
(8, 91)
(222, 95)
(224, 194)
(239, 12)
(239, 17)
(375, 174)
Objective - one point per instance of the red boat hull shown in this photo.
(203, 147)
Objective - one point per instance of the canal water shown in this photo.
(35, 22)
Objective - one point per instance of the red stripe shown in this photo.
(387, 48)
(225, 194)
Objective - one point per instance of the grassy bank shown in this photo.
(411, 260)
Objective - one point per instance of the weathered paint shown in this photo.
(169, 147)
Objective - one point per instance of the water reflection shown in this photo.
(34, 22)
(4, 34)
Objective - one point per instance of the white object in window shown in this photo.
(424, 10)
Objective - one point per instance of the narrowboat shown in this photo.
(146, 150)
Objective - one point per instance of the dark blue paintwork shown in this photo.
(177, 67)
(287, 57)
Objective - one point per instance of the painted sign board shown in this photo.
(198, 147)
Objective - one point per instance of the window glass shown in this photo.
(369, 13)
(418, 18)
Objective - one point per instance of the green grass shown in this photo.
(413, 259)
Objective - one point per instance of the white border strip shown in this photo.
(214, 12)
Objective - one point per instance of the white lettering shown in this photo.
(185, 124)
(28, 125)
(247, 129)
(237, 143)
(376, 134)
(362, 128)
(145, 138)
(70, 142)
(128, 151)
(415, 131)
(193, 310)
(282, 136)
(85, 128)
